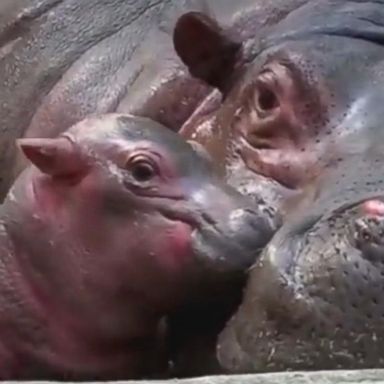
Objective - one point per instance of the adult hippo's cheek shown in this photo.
(287, 166)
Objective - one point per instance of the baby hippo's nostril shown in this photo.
(234, 228)
(244, 217)
(252, 229)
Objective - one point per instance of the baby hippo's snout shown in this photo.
(233, 229)
(250, 228)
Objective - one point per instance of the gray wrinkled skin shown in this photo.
(315, 298)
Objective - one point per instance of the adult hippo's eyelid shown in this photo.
(285, 65)
(268, 77)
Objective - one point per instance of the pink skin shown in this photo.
(373, 207)
(89, 316)
(172, 242)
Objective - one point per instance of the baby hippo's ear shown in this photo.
(57, 157)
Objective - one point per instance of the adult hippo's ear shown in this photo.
(205, 48)
(56, 157)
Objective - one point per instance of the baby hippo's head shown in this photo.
(143, 206)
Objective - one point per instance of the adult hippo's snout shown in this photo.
(314, 299)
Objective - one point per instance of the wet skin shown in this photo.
(314, 299)
(301, 106)
(118, 223)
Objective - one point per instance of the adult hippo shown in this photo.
(301, 108)
(116, 224)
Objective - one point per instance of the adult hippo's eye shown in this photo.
(265, 98)
(142, 168)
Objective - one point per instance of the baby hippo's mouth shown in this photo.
(229, 244)
(226, 241)
(228, 230)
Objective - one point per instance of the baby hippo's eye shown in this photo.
(142, 168)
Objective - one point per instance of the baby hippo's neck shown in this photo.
(54, 318)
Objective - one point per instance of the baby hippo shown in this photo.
(114, 225)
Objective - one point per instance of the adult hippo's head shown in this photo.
(301, 105)
(303, 94)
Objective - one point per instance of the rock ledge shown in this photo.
(368, 376)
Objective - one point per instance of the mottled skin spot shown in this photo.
(374, 208)
(368, 231)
